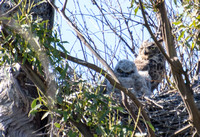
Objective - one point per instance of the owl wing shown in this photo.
(142, 65)
(141, 86)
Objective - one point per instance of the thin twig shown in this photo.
(181, 130)
(109, 25)
(64, 6)
(160, 106)
(80, 35)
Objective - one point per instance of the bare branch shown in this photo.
(80, 35)
(132, 50)
(64, 5)
(181, 130)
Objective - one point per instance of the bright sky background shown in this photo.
(96, 28)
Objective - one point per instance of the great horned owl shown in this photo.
(129, 77)
(151, 59)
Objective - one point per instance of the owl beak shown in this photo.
(124, 75)
(145, 52)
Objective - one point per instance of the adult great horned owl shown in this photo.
(129, 77)
(151, 59)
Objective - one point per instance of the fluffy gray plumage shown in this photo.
(129, 77)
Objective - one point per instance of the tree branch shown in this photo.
(84, 129)
(124, 90)
(176, 67)
(117, 85)
(152, 35)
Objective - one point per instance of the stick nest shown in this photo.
(168, 113)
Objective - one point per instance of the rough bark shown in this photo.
(177, 70)
(16, 89)
(16, 92)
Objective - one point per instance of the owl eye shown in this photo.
(119, 70)
(130, 72)
(152, 48)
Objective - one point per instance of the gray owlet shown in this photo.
(129, 77)
(151, 59)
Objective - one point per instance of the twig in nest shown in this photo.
(181, 130)
(160, 106)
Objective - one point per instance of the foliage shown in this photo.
(187, 23)
(81, 102)
(187, 27)
(77, 99)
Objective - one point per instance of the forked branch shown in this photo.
(176, 67)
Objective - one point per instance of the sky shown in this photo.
(108, 45)
(103, 37)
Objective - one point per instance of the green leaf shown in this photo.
(177, 23)
(150, 125)
(72, 134)
(33, 104)
(5, 18)
(132, 2)
(119, 108)
(175, 2)
(63, 72)
(37, 106)
(59, 112)
(64, 42)
(24, 58)
(66, 116)
(60, 99)
(192, 24)
(136, 10)
(59, 69)
(62, 48)
(57, 125)
(8, 38)
(192, 46)
(181, 35)
(32, 112)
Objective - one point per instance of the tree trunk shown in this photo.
(15, 97)
(177, 70)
